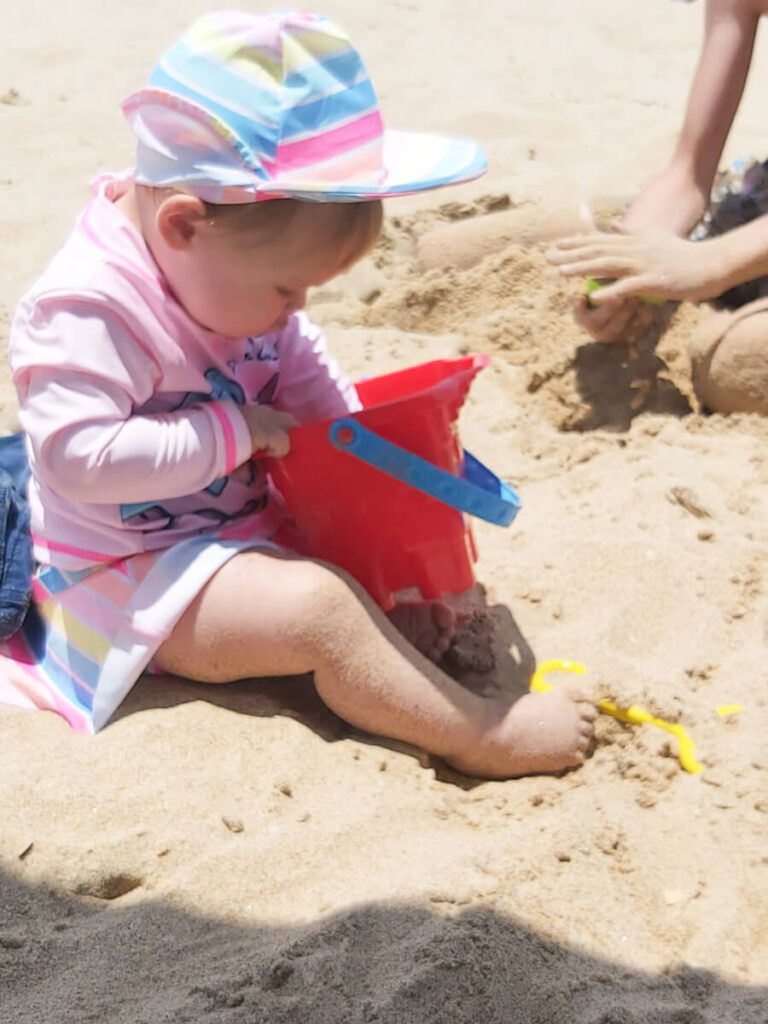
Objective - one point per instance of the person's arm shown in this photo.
(80, 375)
(312, 386)
(678, 197)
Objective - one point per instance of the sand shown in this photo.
(227, 854)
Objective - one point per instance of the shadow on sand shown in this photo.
(621, 380)
(72, 960)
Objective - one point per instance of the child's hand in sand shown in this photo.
(269, 429)
(649, 263)
(611, 321)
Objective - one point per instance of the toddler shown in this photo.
(164, 350)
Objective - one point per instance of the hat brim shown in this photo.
(208, 159)
(413, 162)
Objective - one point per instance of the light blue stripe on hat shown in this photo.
(237, 96)
(319, 76)
(261, 139)
(194, 66)
(259, 96)
(326, 90)
(324, 113)
(448, 163)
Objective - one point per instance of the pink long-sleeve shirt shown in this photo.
(133, 411)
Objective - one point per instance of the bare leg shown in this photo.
(729, 359)
(267, 615)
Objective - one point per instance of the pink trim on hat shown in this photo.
(316, 149)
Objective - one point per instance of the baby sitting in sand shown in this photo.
(166, 344)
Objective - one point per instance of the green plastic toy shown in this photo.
(591, 284)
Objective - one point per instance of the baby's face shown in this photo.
(240, 289)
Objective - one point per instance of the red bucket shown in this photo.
(384, 531)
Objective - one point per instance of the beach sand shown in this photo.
(228, 854)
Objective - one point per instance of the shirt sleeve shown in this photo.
(80, 374)
(312, 386)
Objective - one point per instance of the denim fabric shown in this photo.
(16, 564)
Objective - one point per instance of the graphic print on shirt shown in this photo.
(161, 515)
(221, 387)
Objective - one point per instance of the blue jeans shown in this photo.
(16, 564)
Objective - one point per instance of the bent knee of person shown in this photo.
(322, 588)
(729, 360)
(325, 608)
(313, 594)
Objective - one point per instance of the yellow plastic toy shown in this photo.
(633, 715)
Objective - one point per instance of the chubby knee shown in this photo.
(324, 604)
(729, 360)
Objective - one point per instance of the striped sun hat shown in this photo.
(246, 107)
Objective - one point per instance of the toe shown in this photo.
(444, 641)
(588, 726)
(585, 705)
(434, 653)
(444, 618)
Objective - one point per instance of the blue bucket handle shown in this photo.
(479, 493)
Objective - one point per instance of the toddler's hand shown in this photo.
(269, 429)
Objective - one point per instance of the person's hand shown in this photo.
(607, 322)
(651, 263)
(611, 320)
(269, 429)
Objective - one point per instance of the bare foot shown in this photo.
(539, 733)
(428, 625)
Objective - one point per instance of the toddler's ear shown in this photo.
(178, 218)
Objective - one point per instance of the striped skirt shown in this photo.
(89, 635)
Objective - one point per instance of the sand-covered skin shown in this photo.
(237, 854)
